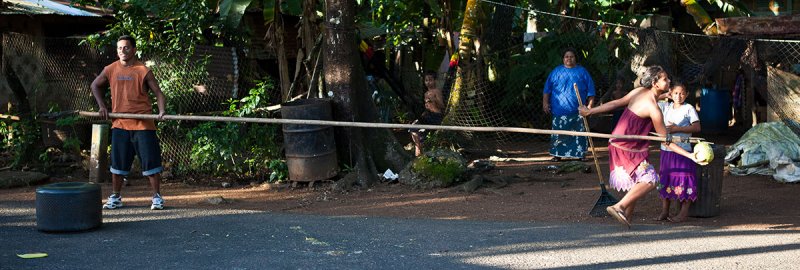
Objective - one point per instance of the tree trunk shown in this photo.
(466, 51)
(367, 151)
(468, 66)
(283, 63)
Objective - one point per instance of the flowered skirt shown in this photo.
(623, 181)
(564, 145)
(678, 177)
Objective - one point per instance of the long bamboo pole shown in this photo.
(378, 125)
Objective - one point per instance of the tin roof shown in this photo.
(43, 7)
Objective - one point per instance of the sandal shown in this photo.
(618, 215)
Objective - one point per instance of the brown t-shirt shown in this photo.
(128, 95)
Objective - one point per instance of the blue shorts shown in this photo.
(127, 143)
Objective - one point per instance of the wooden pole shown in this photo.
(98, 159)
(591, 142)
(381, 125)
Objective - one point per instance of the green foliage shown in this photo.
(70, 144)
(239, 148)
(173, 27)
(441, 168)
(400, 16)
(19, 139)
(441, 139)
(279, 170)
(231, 12)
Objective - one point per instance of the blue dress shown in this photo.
(564, 107)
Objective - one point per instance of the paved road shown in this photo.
(137, 238)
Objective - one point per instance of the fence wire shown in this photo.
(56, 74)
(503, 89)
(513, 98)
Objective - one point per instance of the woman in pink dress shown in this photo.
(630, 170)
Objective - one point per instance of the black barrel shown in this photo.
(68, 207)
(709, 185)
(310, 149)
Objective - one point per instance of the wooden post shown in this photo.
(98, 159)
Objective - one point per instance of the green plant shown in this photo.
(19, 140)
(346, 168)
(441, 139)
(70, 144)
(442, 168)
(239, 148)
(279, 170)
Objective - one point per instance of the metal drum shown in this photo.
(310, 149)
(68, 207)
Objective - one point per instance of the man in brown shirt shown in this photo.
(129, 79)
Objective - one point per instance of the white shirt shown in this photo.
(682, 116)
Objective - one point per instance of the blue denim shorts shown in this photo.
(127, 143)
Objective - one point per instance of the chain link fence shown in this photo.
(56, 74)
(513, 97)
(504, 89)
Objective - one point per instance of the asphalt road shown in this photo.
(138, 238)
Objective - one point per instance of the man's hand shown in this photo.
(161, 115)
(103, 113)
(546, 108)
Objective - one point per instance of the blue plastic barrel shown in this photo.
(715, 110)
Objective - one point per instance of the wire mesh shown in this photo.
(695, 60)
(56, 74)
(506, 92)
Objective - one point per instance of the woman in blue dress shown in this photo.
(559, 100)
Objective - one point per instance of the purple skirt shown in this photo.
(678, 177)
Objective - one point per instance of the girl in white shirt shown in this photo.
(678, 174)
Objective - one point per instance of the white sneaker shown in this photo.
(114, 201)
(158, 203)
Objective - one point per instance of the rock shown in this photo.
(473, 184)
(434, 169)
(226, 184)
(215, 200)
(480, 166)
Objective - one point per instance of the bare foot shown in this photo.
(677, 219)
(662, 217)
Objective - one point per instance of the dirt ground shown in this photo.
(533, 194)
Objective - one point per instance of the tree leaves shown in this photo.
(231, 12)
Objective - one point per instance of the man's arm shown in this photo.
(100, 81)
(152, 83)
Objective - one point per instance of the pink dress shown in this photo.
(628, 163)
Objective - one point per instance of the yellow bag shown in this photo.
(703, 153)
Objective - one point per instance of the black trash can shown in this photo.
(68, 207)
(310, 149)
(709, 185)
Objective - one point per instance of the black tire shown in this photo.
(68, 207)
